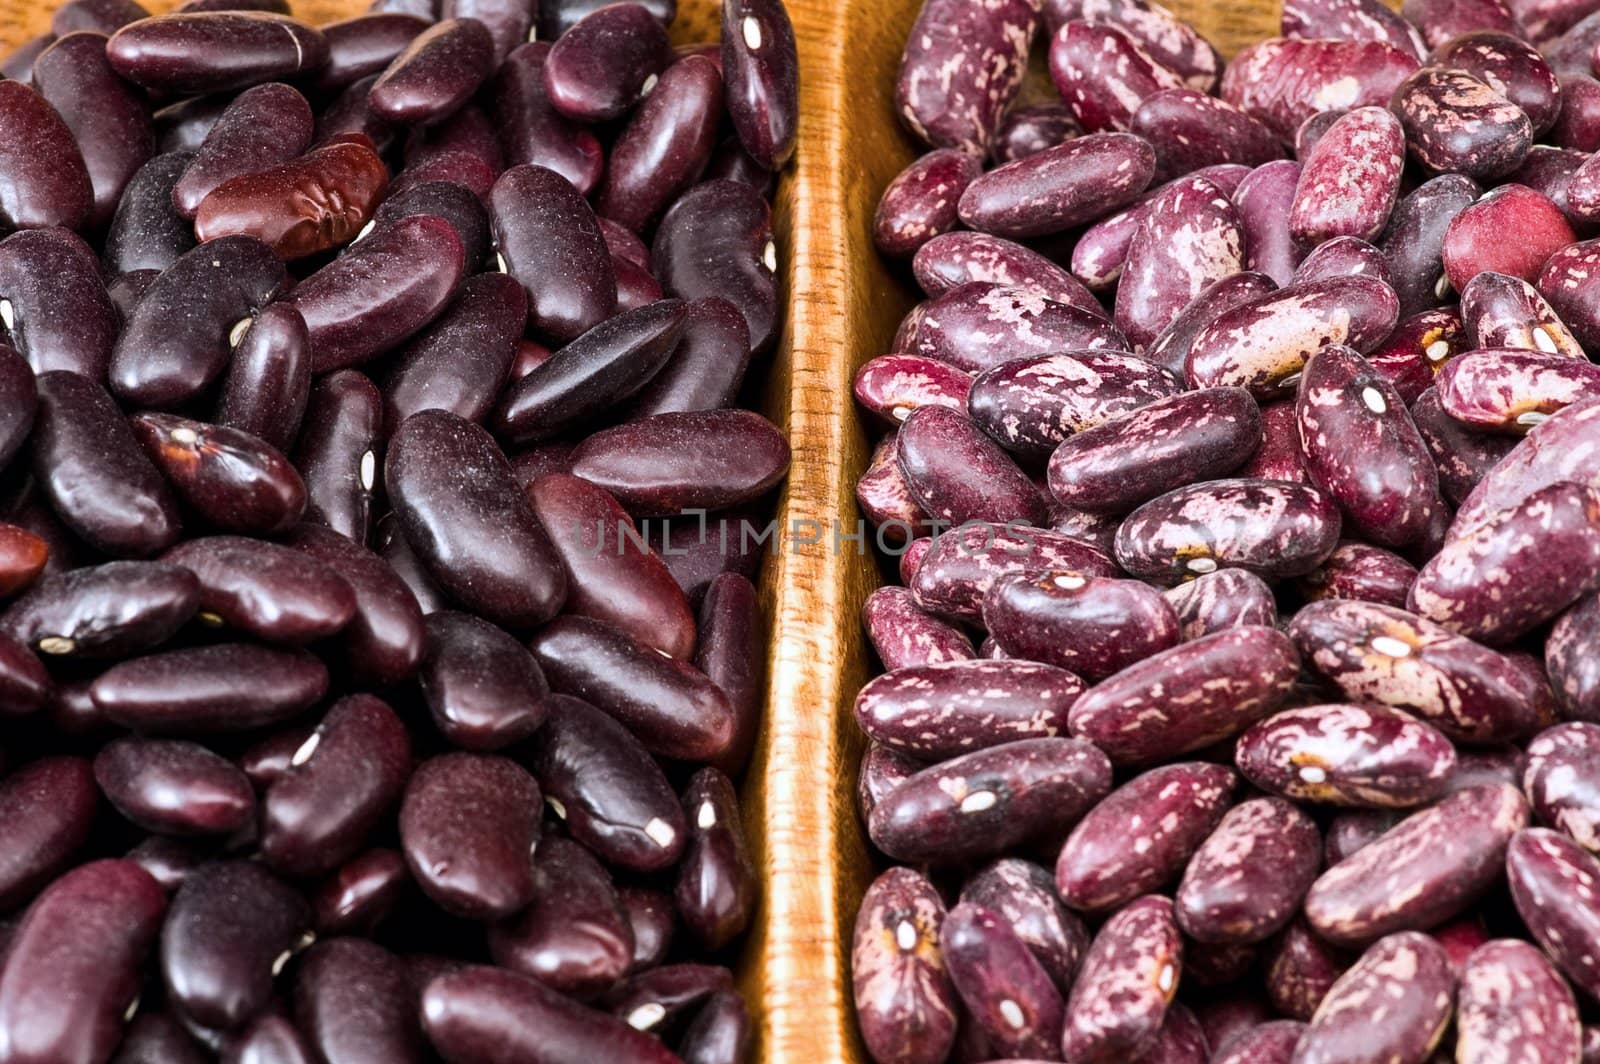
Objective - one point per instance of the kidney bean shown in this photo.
(1300, 969)
(662, 998)
(174, 788)
(1363, 755)
(336, 452)
(1508, 312)
(882, 770)
(1555, 450)
(478, 865)
(904, 635)
(1190, 130)
(731, 651)
(95, 16)
(436, 73)
(1512, 1000)
(352, 1003)
(1549, 170)
(156, 1038)
(1559, 781)
(1091, 626)
(268, 383)
(540, 220)
(1215, 602)
(1358, 20)
(1128, 980)
(363, 46)
(214, 51)
(1572, 669)
(1007, 993)
(23, 557)
(962, 564)
(650, 915)
(1472, 243)
(272, 592)
(920, 203)
(720, 1033)
(53, 304)
(361, 894)
(302, 207)
(1060, 187)
(49, 808)
(1264, 1043)
(1456, 123)
(1246, 881)
(1170, 349)
(483, 688)
(957, 474)
(961, 68)
(1463, 457)
(759, 60)
(214, 689)
(1351, 179)
(716, 885)
(1033, 404)
(397, 553)
(1263, 201)
(1440, 21)
(885, 499)
(460, 361)
(109, 610)
(262, 127)
(531, 130)
(19, 402)
(980, 326)
(1023, 894)
(1511, 390)
(667, 144)
(1361, 572)
(1312, 130)
(1028, 130)
(1170, 41)
(24, 683)
(268, 1039)
(1103, 74)
(1551, 881)
(707, 366)
(1101, 250)
(183, 126)
(1189, 237)
(350, 116)
(1511, 67)
(233, 480)
(1283, 81)
(954, 259)
(108, 119)
(1343, 256)
(48, 182)
(716, 240)
(1410, 974)
(895, 386)
(602, 66)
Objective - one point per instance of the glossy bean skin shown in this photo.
(1455, 123)
(1411, 975)
(270, 1039)
(229, 925)
(532, 130)
(268, 382)
(1350, 20)
(1103, 74)
(23, 557)
(453, 491)
(992, 969)
(72, 966)
(180, 336)
(707, 366)
(1273, 529)
(717, 889)
(1263, 344)
(484, 690)
(1561, 521)
(1283, 81)
(353, 1003)
(214, 51)
(1092, 627)
(1343, 256)
(50, 807)
(1361, 755)
(762, 69)
(459, 362)
(717, 240)
(50, 183)
(962, 564)
(1164, 271)
(895, 386)
(540, 220)
(456, 204)
(942, 711)
(1122, 848)
(361, 894)
(650, 915)
(1338, 197)
(613, 797)
(19, 402)
(340, 782)
(95, 474)
(960, 69)
(1128, 980)
(269, 591)
(1024, 894)
(1170, 41)
(363, 46)
(1511, 996)
(1511, 67)
(1264, 199)
(24, 683)
(1300, 969)
(436, 73)
(1508, 312)
(262, 127)
(1552, 888)
(381, 291)
(905, 1002)
(1031, 405)
(307, 205)
(952, 259)
(1425, 870)
(1060, 187)
(110, 610)
(1246, 881)
(174, 788)
(672, 708)
(468, 827)
(1190, 130)
(234, 481)
(1170, 349)
(155, 1037)
(957, 474)
(222, 688)
(1572, 669)
(336, 452)
(1363, 572)
(1227, 598)
(1559, 781)
(59, 316)
(666, 145)
(1223, 683)
(1114, 466)
(1030, 129)
(1556, 449)
(729, 640)
(147, 231)
(920, 203)
(904, 635)
(981, 804)
(574, 937)
(658, 999)
(481, 1010)
(597, 70)
(1509, 390)
(1463, 457)
(1378, 653)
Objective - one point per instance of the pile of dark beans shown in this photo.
(373, 667)
(1242, 467)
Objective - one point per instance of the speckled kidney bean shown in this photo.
(894, 386)
(1028, 130)
(1339, 196)
(1101, 250)
(1414, 241)
(1362, 755)
(1263, 200)
(1284, 81)
(1263, 344)
(1343, 256)
(1378, 653)
(1169, 40)
(1170, 349)
(1425, 870)
(1361, 572)
(961, 68)
(957, 474)
(920, 203)
(1190, 130)
(885, 499)
(1548, 170)
(1227, 598)
(1007, 993)
(1512, 390)
(1264, 1043)
(1440, 21)
(1512, 1001)
(1024, 895)
(1511, 67)
(902, 633)
(717, 240)
(1474, 243)
(954, 259)
(1060, 187)
(905, 1003)
(1247, 879)
(979, 326)
(1091, 626)
(1560, 778)
(1574, 670)
(1300, 969)
(1032, 404)
(1103, 74)
(1508, 312)
(1139, 837)
(1455, 123)
(1272, 528)
(1129, 978)
(1410, 975)
(1552, 885)
(961, 565)
(1559, 449)
(944, 710)
(1462, 456)
(1189, 237)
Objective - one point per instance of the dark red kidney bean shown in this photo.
(125, 290)
(1573, 670)
(1350, 20)
(981, 326)
(267, 760)
(1007, 993)
(361, 894)
(604, 64)
(1227, 598)
(445, 199)
(48, 181)
(174, 788)
(453, 492)
(23, 557)
(1455, 123)
(958, 474)
(1103, 74)
(721, 1033)
(1263, 200)
(49, 808)
(954, 259)
(214, 689)
(603, 784)
(1088, 625)
(459, 362)
(267, 590)
(147, 232)
(1353, 755)
(1188, 697)
(1140, 837)
(1420, 873)
(556, 17)
(605, 365)
(942, 711)
(268, 1039)
(1060, 187)
(716, 889)
(381, 291)
(1283, 81)
(436, 73)
(18, 66)
(731, 651)
(481, 1010)
(983, 803)
(1190, 130)
(1170, 349)
(183, 126)
(1471, 245)
(650, 915)
(1032, 404)
(156, 1038)
(1161, 277)
(673, 709)
(353, 1003)
(72, 968)
(350, 115)
(1556, 450)
(1343, 256)
(1246, 881)
(1560, 781)
(168, 860)
(1417, 348)
(659, 1000)
(962, 564)
(1549, 170)
(624, 243)
(233, 480)
(1508, 312)
(716, 240)
(1462, 456)
(181, 334)
(302, 207)
(762, 69)
(1024, 895)
(362, 46)
(1551, 880)
(635, 287)
(53, 304)
(1511, 999)
(665, 146)
(1274, 529)
(706, 367)
(268, 383)
(231, 928)
(1360, 571)
(108, 119)
(920, 203)
(905, 1002)
(395, 551)
(960, 70)
(532, 131)
(468, 826)
(263, 127)
(1114, 466)
(484, 689)
(19, 402)
(1128, 980)
(1395, 1002)
(574, 937)
(95, 16)
(92, 469)
(336, 452)
(215, 51)
(548, 239)
(24, 683)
